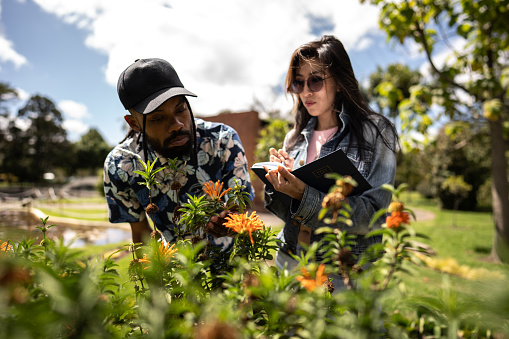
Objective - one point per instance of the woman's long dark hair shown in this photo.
(329, 53)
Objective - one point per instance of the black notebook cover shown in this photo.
(313, 174)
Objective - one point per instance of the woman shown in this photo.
(330, 113)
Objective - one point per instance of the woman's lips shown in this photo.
(179, 141)
(309, 103)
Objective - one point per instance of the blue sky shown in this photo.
(229, 52)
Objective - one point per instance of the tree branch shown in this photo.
(442, 76)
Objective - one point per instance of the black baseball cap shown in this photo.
(147, 84)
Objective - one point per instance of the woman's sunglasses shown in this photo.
(314, 82)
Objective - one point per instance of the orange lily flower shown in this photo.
(241, 223)
(213, 190)
(5, 246)
(167, 251)
(309, 283)
(397, 218)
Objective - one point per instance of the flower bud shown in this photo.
(152, 208)
(395, 206)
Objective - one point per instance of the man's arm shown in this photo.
(140, 230)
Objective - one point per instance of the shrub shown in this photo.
(191, 289)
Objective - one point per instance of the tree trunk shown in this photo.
(500, 194)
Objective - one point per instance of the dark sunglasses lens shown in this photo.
(315, 83)
(297, 86)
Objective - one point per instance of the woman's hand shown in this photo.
(285, 182)
(281, 157)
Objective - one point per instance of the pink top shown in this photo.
(317, 140)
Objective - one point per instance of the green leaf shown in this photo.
(377, 216)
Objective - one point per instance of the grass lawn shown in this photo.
(462, 243)
(82, 208)
(77, 213)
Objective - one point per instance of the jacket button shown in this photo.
(301, 162)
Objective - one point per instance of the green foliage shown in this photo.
(26, 154)
(456, 185)
(272, 135)
(7, 94)
(389, 87)
(195, 215)
(91, 150)
(469, 83)
(149, 175)
(186, 291)
(238, 199)
(46, 137)
(458, 150)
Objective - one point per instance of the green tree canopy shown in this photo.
(388, 87)
(91, 150)
(472, 84)
(272, 135)
(46, 139)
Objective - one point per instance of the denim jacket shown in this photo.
(378, 166)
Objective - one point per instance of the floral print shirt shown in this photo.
(220, 157)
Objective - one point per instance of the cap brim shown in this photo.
(150, 103)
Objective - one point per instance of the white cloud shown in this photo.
(7, 51)
(75, 128)
(22, 94)
(74, 114)
(74, 110)
(226, 51)
(9, 54)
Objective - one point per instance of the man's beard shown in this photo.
(166, 151)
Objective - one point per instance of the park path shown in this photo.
(423, 215)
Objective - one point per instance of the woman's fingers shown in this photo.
(271, 176)
(281, 156)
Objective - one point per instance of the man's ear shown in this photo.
(133, 123)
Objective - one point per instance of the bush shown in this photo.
(191, 289)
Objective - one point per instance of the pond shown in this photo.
(15, 224)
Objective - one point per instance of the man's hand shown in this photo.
(284, 181)
(215, 225)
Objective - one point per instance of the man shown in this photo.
(162, 127)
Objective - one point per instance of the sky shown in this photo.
(231, 53)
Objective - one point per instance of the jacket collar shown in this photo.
(310, 127)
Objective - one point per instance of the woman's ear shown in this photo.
(133, 123)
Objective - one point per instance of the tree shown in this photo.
(91, 150)
(8, 131)
(46, 139)
(456, 186)
(272, 135)
(7, 93)
(388, 87)
(474, 82)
